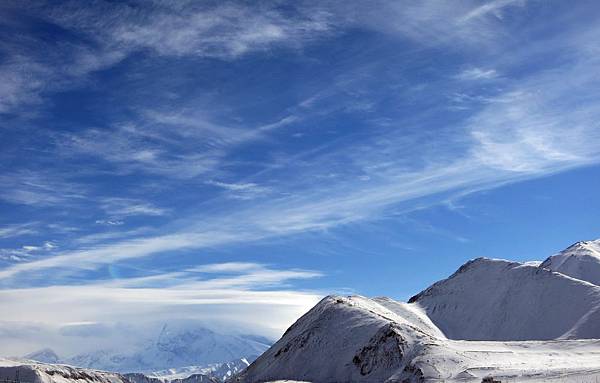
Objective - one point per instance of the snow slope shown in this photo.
(356, 339)
(34, 372)
(488, 299)
(581, 261)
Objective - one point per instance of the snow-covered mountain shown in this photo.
(197, 378)
(488, 299)
(138, 377)
(45, 355)
(514, 321)
(356, 339)
(175, 346)
(222, 371)
(581, 261)
(33, 372)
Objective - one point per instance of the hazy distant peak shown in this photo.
(45, 355)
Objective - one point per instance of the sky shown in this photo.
(230, 163)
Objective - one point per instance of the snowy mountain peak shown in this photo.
(45, 355)
(175, 346)
(580, 260)
(490, 299)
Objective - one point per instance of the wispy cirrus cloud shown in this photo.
(473, 74)
(17, 230)
(224, 31)
(243, 191)
(37, 188)
(494, 7)
(27, 252)
(126, 207)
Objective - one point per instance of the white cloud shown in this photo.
(38, 189)
(25, 252)
(494, 7)
(232, 301)
(109, 222)
(243, 191)
(473, 74)
(543, 124)
(127, 207)
(225, 31)
(114, 31)
(17, 230)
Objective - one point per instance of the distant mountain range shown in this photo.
(176, 352)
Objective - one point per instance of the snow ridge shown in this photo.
(33, 372)
(490, 299)
(580, 260)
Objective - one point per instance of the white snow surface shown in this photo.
(581, 261)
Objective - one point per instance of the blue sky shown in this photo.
(227, 162)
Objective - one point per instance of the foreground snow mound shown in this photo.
(341, 340)
(489, 299)
(581, 261)
(32, 372)
(355, 339)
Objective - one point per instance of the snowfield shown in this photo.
(515, 322)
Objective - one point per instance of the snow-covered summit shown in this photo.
(580, 260)
(491, 299)
(342, 339)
